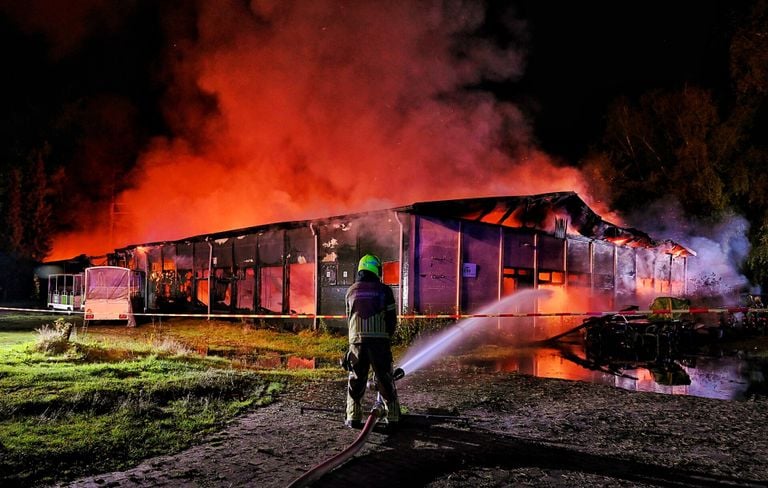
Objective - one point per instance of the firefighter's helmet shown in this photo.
(371, 263)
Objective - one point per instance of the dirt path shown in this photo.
(523, 432)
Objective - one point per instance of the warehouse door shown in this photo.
(271, 289)
(301, 296)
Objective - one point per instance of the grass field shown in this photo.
(114, 395)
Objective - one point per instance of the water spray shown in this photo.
(420, 356)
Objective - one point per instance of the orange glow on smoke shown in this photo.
(95, 243)
(323, 109)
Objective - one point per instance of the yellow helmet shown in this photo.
(371, 263)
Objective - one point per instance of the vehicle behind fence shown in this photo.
(65, 291)
(111, 293)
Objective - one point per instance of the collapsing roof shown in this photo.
(555, 213)
(551, 212)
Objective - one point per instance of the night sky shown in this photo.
(582, 55)
(118, 89)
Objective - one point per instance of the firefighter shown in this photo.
(372, 318)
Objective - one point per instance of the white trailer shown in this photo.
(65, 291)
(109, 292)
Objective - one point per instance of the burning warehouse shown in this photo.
(450, 257)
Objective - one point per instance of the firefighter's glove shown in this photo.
(346, 361)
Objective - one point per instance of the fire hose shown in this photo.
(377, 413)
(318, 471)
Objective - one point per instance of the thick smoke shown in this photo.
(721, 248)
(326, 107)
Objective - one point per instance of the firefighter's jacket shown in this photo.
(371, 309)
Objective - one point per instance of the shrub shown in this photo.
(54, 339)
(411, 329)
(172, 346)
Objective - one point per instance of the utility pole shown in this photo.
(117, 218)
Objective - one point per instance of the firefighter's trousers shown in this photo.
(375, 354)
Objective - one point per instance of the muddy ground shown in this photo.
(521, 431)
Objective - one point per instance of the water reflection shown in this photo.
(723, 377)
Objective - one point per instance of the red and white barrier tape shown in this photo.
(415, 316)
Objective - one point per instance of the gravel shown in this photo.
(514, 430)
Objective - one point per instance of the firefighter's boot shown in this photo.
(354, 413)
(393, 411)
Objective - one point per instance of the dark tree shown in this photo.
(704, 147)
(663, 145)
(38, 229)
(13, 214)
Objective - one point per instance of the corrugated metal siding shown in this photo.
(626, 271)
(435, 264)
(518, 249)
(480, 247)
(550, 253)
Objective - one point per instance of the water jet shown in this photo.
(422, 354)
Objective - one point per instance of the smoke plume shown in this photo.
(721, 248)
(293, 110)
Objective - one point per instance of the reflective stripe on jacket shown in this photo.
(371, 311)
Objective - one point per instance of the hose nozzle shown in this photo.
(398, 373)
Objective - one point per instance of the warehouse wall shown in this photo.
(434, 265)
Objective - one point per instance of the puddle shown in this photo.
(723, 377)
(630, 354)
(260, 359)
